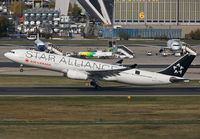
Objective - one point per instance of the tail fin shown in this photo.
(179, 67)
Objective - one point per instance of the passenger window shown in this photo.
(137, 72)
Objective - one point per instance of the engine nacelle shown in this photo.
(78, 75)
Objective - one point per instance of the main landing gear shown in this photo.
(95, 84)
(21, 68)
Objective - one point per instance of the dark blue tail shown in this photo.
(179, 67)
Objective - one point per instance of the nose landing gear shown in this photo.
(21, 68)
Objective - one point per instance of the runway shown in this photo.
(104, 91)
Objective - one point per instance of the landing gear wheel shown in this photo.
(21, 70)
(95, 85)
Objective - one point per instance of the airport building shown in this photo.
(172, 12)
(144, 11)
(174, 15)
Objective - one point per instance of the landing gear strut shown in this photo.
(95, 84)
(21, 68)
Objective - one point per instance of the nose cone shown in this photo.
(6, 54)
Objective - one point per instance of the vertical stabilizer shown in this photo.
(180, 66)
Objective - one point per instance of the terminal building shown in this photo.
(179, 15)
(174, 12)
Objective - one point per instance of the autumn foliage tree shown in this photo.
(195, 35)
(3, 26)
(52, 5)
(17, 8)
(70, 7)
(76, 11)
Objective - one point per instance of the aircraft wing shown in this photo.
(107, 73)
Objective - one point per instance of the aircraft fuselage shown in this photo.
(80, 68)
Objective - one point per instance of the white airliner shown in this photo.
(82, 69)
(177, 47)
(174, 45)
(39, 44)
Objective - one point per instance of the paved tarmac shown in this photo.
(104, 91)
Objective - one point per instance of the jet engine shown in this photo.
(78, 75)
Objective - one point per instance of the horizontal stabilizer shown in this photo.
(177, 80)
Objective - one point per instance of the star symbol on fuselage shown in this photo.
(178, 69)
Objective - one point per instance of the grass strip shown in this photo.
(143, 117)
(98, 123)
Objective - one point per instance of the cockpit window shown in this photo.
(176, 45)
(12, 52)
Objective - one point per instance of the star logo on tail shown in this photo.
(178, 69)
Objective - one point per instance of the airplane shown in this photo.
(176, 47)
(114, 51)
(97, 54)
(40, 44)
(172, 45)
(46, 46)
(82, 69)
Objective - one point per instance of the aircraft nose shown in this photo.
(6, 54)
